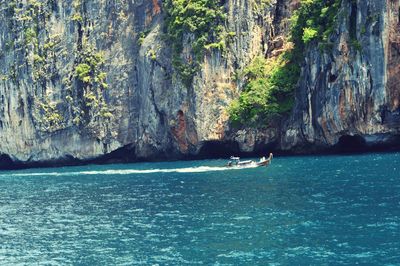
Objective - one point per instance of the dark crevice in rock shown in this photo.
(263, 149)
(349, 143)
(161, 114)
(6, 162)
(225, 149)
(332, 78)
(390, 118)
(124, 154)
(218, 149)
(279, 14)
(80, 36)
(398, 17)
(358, 144)
(353, 21)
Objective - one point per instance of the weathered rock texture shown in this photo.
(351, 89)
(144, 111)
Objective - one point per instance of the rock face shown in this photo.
(81, 80)
(351, 89)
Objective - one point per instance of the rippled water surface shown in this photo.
(300, 210)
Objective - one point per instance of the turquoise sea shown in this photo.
(314, 210)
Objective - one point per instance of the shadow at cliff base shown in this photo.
(350, 144)
(355, 144)
(346, 145)
(6, 162)
(226, 149)
(125, 154)
(218, 149)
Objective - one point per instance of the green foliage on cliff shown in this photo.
(309, 34)
(201, 21)
(89, 72)
(260, 5)
(47, 115)
(83, 72)
(30, 36)
(270, 83)
(202, 18)
(268, 92)
(44, 54)
(314, 20)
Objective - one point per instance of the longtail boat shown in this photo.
(236, 162)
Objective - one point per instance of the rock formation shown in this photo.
(86, 80)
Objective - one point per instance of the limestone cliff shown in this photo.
(352, 89)
(81, 80)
